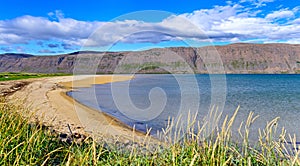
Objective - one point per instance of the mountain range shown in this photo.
(233, 58)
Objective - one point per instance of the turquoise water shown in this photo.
(268, 96)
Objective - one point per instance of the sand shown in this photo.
(47, 99)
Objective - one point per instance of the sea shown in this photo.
(154, 101)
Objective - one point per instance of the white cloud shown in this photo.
(233, 22)
(26, 28)
(58, 14)
(238, 22)
(207, 18)
(257, 3)
(296, 21)
(280, 14)
(11, 38)
(244, 26)
(293, 41)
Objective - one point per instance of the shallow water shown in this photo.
(268, 96)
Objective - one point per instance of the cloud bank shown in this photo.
(233, 22)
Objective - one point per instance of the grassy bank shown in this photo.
(23, 143)
(18, 76)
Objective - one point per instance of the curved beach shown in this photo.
(46, 98)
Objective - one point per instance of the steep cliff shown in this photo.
(235, 58)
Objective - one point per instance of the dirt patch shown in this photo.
(8, 88)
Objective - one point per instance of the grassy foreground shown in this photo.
(24, 143)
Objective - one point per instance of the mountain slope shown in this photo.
(236, 58)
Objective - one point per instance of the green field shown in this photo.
(7, 76)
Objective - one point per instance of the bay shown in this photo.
(267, 95)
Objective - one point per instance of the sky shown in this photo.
(55, 27)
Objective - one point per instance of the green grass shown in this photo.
(25, 143)
(17, 76)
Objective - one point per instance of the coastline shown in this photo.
(47, 100)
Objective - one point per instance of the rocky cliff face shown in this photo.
(235, 58)
(256, 58)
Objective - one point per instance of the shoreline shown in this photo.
(46, 98)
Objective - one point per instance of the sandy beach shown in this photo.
(46, 98)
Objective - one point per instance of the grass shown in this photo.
(17, 76)
(25, 143)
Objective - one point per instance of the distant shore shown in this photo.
(233, 58)
(47, 99)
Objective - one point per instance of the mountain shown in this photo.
(233, 58)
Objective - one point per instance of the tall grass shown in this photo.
(26, 143)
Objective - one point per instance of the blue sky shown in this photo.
(54, 27)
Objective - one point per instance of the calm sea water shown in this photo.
(268, 96)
